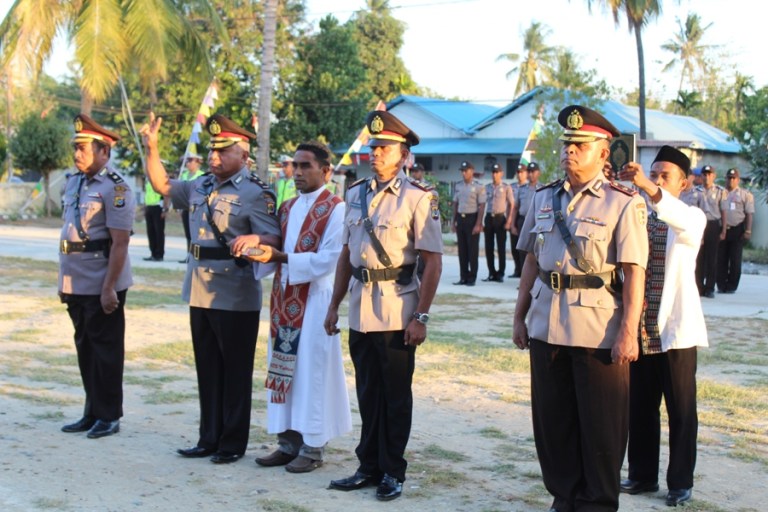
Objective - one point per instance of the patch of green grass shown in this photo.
(158, 397)
(436, 452)
(48, 373)
(431, 476)
(26, 335)
(50, 503)
(14, 315)
(461, 354)
(149, 382)
(281, 506)
(521, 452)
(56, 415)
(493, 433)
(36, 396)
(756, 254)
(259, 435)
(152, 296)
(179, 352)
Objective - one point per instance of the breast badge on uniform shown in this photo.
(120, 188)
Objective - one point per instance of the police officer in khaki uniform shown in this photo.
(499, 202)
(515, 225)
(581, 324)
(389, 220)
(739, 208)
(523, 197)
(95, 273)
(692, 194)
(468, 209)
(712, 200)
(223, 295)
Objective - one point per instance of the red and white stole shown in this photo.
(287, 306)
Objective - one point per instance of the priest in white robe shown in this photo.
(308, 402)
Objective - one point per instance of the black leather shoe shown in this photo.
(710, 294)
(389, 489)
(82, 425)
(636, 487)
(470, 283)
(104, 428)
(225, 457)
(195, 452)
(460, 282)
(353, 483)
(499, 278)
(489, 279)
(677, 496)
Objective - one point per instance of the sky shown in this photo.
(451, 46)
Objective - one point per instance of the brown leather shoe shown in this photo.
(276, 458)
(302, 464)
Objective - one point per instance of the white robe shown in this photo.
(317, 405)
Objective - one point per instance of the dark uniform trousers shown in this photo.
(185, 223)
(670, 374)
(517, 256)
(383, 374)
(706, 262)
(493, 230)
(729, 258)
(580, 404)
(469, 246)
(155, 230)
(100, 344)
(224, 343)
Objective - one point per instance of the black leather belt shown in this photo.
(403, 275)
(559, 282)
(67, 247)
(210, 253)
(465, 215)
(495, 214)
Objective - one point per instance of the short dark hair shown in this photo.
(317, 148)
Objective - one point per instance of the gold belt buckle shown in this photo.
(196, 251)
(64, 246)
(365, 275)
(554, 281)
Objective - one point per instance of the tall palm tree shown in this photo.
(109, 36)
(265, 86)
(741, 87)
(638, 13)
(537, 61)
(687, 49)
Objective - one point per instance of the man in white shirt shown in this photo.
(671, 328)
(308, 402)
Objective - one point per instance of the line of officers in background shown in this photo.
(497, 208)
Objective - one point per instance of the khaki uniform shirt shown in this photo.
(240, 206)
(692, 197)
(609, 226)
(406, 219)
(524, 196)
(737, 204)
(498, 198)
(712, 200)
(106, 202)
(469, 196)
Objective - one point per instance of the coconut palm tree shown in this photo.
(109, 37)
(265, 86)
(638, 13)
(687, 49)
(537, 61)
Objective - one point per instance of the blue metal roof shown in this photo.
(469, 146)
(461, 115)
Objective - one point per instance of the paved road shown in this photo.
(751, 300)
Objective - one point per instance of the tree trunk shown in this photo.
(86, 102)
(641, 73)
(265, 86)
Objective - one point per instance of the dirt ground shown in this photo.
(471, 447)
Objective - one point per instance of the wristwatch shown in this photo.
(422, 318)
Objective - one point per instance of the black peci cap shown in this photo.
(466, 165)
(386, 129)
(533, 166)
(674, 156)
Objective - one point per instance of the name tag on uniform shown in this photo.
(543, 216)
(733, 206)
(94, 194)
(230, 201)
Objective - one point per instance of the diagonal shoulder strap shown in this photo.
(584, 264)
(368, 225)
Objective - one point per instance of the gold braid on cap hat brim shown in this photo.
(88, 137)
(582, 136)
(396, 138)
(224, 142)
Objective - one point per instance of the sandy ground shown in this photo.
(471, 447)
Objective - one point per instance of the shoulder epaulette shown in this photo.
(623, 189)
(421, 185)
(551, 184)
(115, 177)
(255, 179)
(361, 180)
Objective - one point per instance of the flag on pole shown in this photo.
(360, 141)
(206, 107)
(530, 144)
